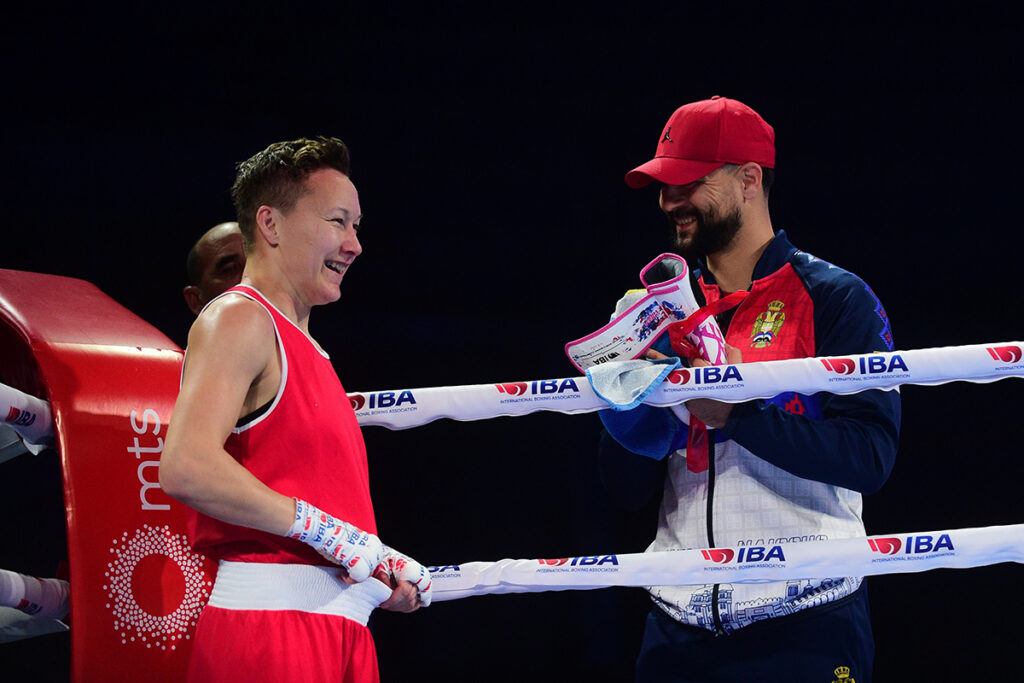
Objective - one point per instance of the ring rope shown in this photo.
(775, 560)
(979, 363)
(405, 408)
(29, 416)
(767, 561)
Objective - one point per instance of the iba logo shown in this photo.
(20, 417)
(1006, 354)
(886, 546)
(582, 561)
(753, 553)
(719, 555)
(512, 388)
(381, 399)
(911, 545)
(844, 366)
(709, 374)
(541, 386)
(869, 365)
(681, 376)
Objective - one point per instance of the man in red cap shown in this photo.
(789, 469)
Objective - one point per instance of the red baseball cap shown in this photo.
(703, 136)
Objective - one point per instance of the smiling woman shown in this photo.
(275, 515)
(313, 244)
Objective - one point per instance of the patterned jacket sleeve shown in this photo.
(848, 441)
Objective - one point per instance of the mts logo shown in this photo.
(711, 374)
(22, 418)
(868, 365)
(1006, 354)
(754, 553)
(911, 545)
(381, 399)
(582, 561)
(541, 386)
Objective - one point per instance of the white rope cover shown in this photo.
(776, 560)
(980, 363)
(27, 415)
(405, 408)
(895, 554)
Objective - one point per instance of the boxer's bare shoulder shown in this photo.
(232, 347)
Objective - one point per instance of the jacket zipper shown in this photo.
(719, 630)
(723, 319)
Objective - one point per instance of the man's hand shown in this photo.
(709, 411)
(408, 579)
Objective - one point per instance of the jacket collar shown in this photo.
(776, 254)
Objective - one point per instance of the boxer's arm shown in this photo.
(231, 368)
(358, 551)
(231, 348)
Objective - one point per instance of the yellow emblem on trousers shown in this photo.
(843, 675)
(767, 325)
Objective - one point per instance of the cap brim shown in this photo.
(670, 171)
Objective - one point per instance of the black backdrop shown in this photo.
(489, 149)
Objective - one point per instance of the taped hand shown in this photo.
(356, 550)
(404, 568)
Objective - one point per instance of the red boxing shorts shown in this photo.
(281, 622)
(280, 646)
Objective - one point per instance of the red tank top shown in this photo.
(307, 445)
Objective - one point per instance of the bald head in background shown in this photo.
(215, 264)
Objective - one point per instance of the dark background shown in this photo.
(489, 148)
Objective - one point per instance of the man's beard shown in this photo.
(712, 232)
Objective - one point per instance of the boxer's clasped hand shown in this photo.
(403, 568)
(358, 551)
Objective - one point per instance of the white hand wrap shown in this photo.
(404, 568)
(346, 544)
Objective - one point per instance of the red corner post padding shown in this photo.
(111, 378)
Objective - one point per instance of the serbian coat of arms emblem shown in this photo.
(767, 325)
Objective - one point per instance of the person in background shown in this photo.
(214, 265)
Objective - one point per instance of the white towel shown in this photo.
(625, 384)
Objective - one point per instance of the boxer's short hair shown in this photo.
(277, 177)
